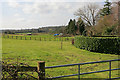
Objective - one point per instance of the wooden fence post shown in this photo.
(40, 38)
(59, 38)
(61, 44)
(21, 37)
(49, 39)
(8, 36)
(25, 38)
(2, 36)
(67, 38)
(41, 70)
(16, 37)
(44, 39)
(73, 41)
(30, 38)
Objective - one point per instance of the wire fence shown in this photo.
(39, 38)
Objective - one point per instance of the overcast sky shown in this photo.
(24, 14)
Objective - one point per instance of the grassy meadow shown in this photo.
(32, 51)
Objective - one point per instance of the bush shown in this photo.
(84, 33)
(102, 45)
(108, 30)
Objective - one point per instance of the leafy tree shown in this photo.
(107, 8)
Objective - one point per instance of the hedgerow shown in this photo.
(99, 44)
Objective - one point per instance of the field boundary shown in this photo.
(40, 69)
(38, 38)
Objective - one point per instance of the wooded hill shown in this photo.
(50, 29)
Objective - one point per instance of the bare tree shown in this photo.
(88, 14)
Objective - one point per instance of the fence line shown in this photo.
(39, 38)
(40, 69)
(79, 64)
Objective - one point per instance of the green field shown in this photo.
(32, 51)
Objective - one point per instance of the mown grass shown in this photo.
(32, 51)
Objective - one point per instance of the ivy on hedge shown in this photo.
(110, 45)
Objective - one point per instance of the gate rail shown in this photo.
(40, 69)
(79, 64)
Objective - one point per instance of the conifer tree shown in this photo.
(80, 25)
(107, 8)
(71, 28)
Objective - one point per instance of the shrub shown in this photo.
(84, 33)
(99, 44)
(108, 30)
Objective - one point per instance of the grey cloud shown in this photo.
(37, 14)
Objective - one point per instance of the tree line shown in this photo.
(50, 29)
(93, 20)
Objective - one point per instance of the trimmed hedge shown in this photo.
(99, 44)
